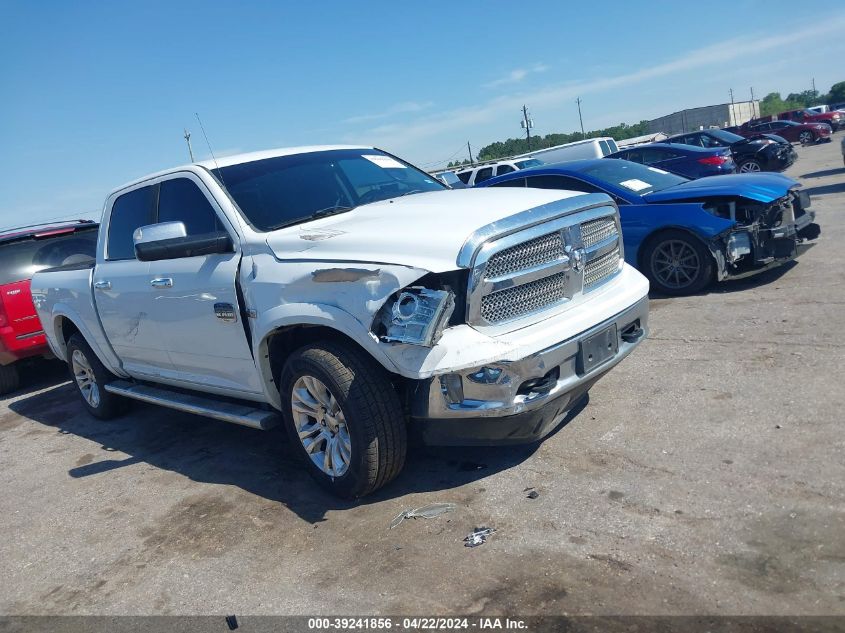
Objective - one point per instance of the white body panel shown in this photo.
(589, 148)
(171, 335)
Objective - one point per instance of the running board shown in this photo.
(200, 405)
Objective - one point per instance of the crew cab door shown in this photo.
(194, 300)
(122, 287)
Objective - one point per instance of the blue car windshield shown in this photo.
(632, 177)
(286, 190)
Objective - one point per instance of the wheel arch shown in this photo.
(644, 243)
(280, 342)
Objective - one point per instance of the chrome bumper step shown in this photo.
(244, 415)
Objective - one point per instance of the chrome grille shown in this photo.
(518, 301)
(543, 267)
(600, 268)
(596, 231)
(541, 250)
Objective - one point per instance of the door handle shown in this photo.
(102, 285)
(162, 282)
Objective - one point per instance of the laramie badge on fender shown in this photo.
(225, 312)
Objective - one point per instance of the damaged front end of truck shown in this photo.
(765, 234)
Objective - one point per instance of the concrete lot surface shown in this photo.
(706, 475)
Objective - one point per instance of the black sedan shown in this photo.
(750, 154)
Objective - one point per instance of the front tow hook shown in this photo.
(633, 333)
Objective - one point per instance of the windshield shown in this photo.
(633, 177)
(286, 190)
(531, 162)
(727, 137)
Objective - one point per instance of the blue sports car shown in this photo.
(685, 160)
(684, 234)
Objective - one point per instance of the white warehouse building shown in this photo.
(692, 119)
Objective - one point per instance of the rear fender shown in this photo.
(96, 339)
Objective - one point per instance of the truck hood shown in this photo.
(424, 230)
(759, 187)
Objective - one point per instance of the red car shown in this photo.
(804, 133)
(834, 120)
(24, 251)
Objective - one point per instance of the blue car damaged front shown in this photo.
(685, 234)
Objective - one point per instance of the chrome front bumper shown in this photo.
(514, 388)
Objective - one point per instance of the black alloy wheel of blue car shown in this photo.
(677, 263)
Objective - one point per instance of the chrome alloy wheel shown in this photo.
(675, 264)
(805, 138)
(321, 426)
(85, 378)
(750, 167)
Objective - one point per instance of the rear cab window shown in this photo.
(129, 212)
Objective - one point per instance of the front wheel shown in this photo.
(806, 137)
(750, 167)
(676, 263)
(344, 417)
(91, 377)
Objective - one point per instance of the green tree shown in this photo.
(837, 93)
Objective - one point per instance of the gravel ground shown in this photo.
(706, 475)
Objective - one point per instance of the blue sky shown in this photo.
(95, 94)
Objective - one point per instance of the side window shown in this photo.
(651, 156)
(464, 176)
(561, 182)
(516, 182)
(635, 156)
(483, 174)
(605, 148)
(180, 200)
(128, 212)
(504, 169)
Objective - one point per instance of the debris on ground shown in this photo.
(478, 536)
(533, 494)
(231, 622)
(471, 466)
(430, 511)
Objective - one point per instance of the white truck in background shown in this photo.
(588, 148)
(352, 293)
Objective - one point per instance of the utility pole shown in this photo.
(733, 112)
(752, 93)
(578, 101)
(469, 149)
(814, 84)
(188, 141)
(527, 124)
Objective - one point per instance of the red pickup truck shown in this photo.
(24, 251)
(833, 119)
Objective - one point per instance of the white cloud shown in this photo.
(516, 75)
(400, 108)
(408, 135)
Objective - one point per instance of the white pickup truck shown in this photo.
(353, 293)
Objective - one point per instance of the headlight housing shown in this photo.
(415, 316)
(739, 245)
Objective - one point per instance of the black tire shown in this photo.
(106, 405)
(690, 271)
(750, 166)
(375, 429)
(10, 379)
